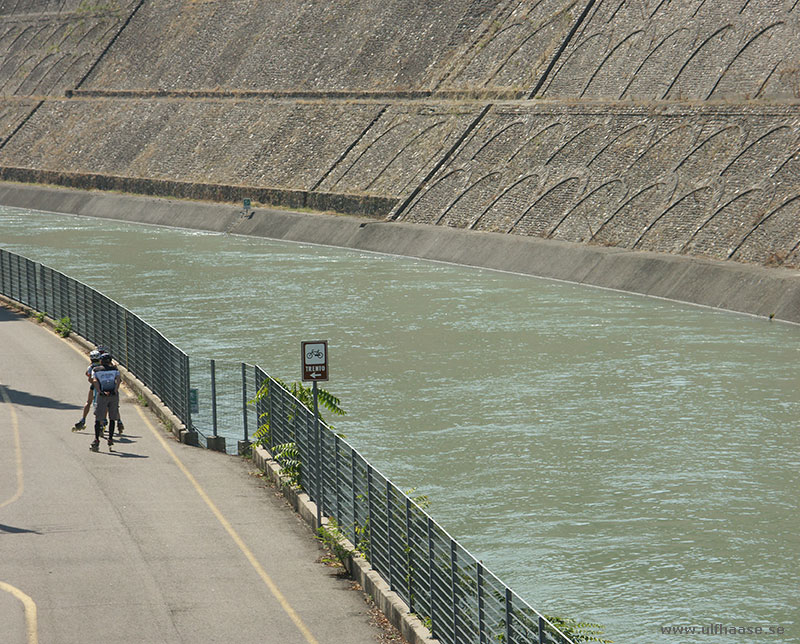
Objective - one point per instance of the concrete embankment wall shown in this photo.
(644, 126)
(769, 292)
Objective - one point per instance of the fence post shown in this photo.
(409, 558)
(271, 441)
(29, 301)
(369, 514)
(389, 533)
(337, 475)
(61, 307)
(36, 287)
(214, 397)
(215, 442)
(244, 445)
(318, 451)
(430, 577)
(125, 320)
(244, 402)
(508, 615)
(453, 602)
(44, 286)
(189, 437)
(479, 575)
(187, 393)
(355, 495)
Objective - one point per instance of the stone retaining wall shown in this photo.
(662, 126)
(366, 206)
(730, 50)
(317, 45)
(48, 46)
(713, 181)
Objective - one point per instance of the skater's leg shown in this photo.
(82, 422)
(111, 424)
(113, 415)
(98, 431)
(100, 410)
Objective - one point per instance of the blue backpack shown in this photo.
(107, 379)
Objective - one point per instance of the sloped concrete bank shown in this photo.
(768, 292)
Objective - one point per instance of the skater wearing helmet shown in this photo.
(91, 399)
(94, 356)
(106, 380)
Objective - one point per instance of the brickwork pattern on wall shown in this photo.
(717, 182)
(314, 45)
(12, 114)
(49, 45)
(688, 50)
(513, 49)
(641, 124)
(400, 148)
(286, 145)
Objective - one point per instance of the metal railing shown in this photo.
(137, 346)
(458, 599)
(220, 392)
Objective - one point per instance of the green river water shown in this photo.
(613, 458)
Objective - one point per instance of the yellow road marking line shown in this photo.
(30, 611)
(17, 447)
(27, 603)
(273, 588)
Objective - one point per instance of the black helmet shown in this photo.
(105, 359)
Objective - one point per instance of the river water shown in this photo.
(613, 458)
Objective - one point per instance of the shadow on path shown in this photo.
(114, 452)
(7, 315)
(33, 400)
(10, 529)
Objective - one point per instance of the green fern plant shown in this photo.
(288, 457)
(305, 395)
(333, 539)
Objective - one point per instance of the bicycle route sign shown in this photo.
(315, 360)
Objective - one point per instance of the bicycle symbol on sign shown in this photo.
(315, 360)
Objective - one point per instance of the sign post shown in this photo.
(315, 368)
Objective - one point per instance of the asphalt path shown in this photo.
(154, 541)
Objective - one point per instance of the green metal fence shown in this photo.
(459, 599)
(137, 346)
(456, 596)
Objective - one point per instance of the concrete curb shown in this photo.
(771, 293)
(389, 602)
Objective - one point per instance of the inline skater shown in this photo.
(91, 399)
(94, 357)
(106, 380)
